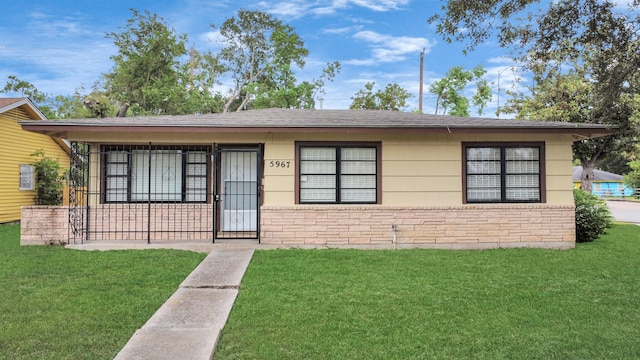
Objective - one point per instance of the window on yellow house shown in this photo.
(27, 177)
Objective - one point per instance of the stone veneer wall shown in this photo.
(457, 227)
(44, 225)
(463, 227)
(168, 222)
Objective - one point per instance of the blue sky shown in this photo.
(60, 45)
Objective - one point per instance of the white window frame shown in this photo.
(27, 177)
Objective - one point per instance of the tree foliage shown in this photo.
(632, 178)
(279, 88)
(448, 91)
(584, 54)
(393, 97)
(24, 88)
(258, 53)
(154, 73)
(147, 72)
(27, 89)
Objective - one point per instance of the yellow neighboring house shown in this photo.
(17, 179)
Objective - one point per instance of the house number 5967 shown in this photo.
(279, 164)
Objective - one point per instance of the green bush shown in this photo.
(49, 180)
(592, 216)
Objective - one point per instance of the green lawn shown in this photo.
(411, 304)
(67, 304)
(338, 304)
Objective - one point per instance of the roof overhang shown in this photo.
(313, 121)
(63, 131)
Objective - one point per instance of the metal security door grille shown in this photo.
(144, 192)
(237, 192)
(78, 189)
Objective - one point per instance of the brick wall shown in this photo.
(464, 227)
(44, 225)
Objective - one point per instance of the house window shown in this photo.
(27, 177)
(338, 173)
(157, 174)
(503, 173)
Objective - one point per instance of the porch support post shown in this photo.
(149, 195)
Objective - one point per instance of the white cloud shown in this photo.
(300, 8)
(381, 5)
(342, 30)
(288, 9)
(211, 40)
(388, 48)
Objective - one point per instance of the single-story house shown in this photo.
(323, 178)
(17, 177)
(605, 184)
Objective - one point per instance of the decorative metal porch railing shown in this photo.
(162, 192)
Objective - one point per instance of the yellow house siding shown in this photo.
(417, 169)
(279, 182)
(16, 146)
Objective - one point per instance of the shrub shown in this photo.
(592, 216)
(49, 180)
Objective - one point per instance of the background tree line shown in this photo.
(155, 73)
(583, 57)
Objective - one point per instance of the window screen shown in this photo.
(27, 177)
(503, 174)
(172, 174)
(338, 174)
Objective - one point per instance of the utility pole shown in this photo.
(421, 80)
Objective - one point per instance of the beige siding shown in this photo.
(16, 146)
(417, 169)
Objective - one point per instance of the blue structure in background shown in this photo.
(605, 184)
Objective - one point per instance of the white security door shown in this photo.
(239, 191)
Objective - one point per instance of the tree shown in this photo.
(258, 46)
(448, 91)
(24, 88)
(632, 179)
(61, 106)
(147, 72)
(280, 88)
(394, 97)
(590, 48)
(27, 89)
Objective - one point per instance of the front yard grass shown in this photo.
(431, 304)
(57, 303)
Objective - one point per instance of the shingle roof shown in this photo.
(290, 119)
(8, 101)
(598, 175)
(7, 104)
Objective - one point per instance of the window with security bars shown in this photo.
(503, 173)
(157, 174)
(338, 174)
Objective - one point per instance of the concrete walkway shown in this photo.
(188, 325)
